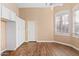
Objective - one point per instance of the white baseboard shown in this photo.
(26, 41)
(62, 44)
(18, 46)
(45, 41)
(67, 45)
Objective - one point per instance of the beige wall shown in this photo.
(44, 19)
(67, 39)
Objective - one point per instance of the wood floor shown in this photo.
(42, 49)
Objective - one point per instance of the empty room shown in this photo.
(39, 29)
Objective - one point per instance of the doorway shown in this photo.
(31, 31)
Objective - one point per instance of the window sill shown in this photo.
(63, 34)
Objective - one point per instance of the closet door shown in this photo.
(11, 35)
(0, 36)
(0, 11)
(3, 36)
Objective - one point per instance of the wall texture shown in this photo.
(44, 21)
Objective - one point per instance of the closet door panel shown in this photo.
(3, 36)
(0, 11)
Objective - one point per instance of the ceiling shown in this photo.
(36, 5)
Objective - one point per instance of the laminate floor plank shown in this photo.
(42, 49)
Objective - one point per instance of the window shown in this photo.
(65, 24)
(58, 24)
(62, 23)
(76, 23)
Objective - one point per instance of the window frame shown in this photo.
(75, 9)
(60, 14)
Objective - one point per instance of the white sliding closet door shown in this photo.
(3, 36)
